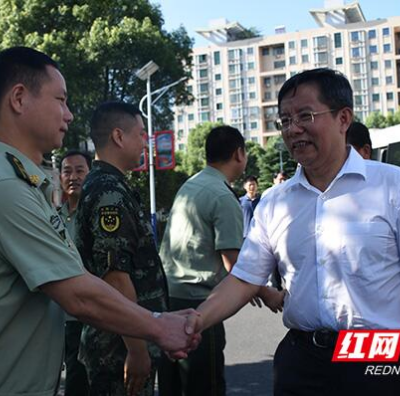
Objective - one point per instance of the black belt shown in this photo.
(319, 338)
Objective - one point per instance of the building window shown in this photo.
(231, 54)
(339, 61)
(254, 139)
(270, 125)
(355, 52)
(217, 58)
(219, 106)
(386, 48)
(372, 34)
(338, 40)
(218, 77)
(253, 125)
(203, 87)
(279, 64)
(358, 100)
(250, 51)
(251, 80)
(375, 97)
(375, 81)
(279, 79)
(321, 57)
(268, 95)
(388, 64)
(232, 69)
(265, 51)
(389, 96)
(235, 98)
(180, 118)
(385, 31)
(181, 147)
(304, 58)
(389, 80)
(204, 117)
(250, 66)
(374, 65)
(304, 43)
(202, 58)
(203, 73)
(190, 117)
(267, 81)
(373, 49)
(204, 102)
(320, 42)
(233, 84)
(356, 68)
(292, 45)
(357, 85)
(220, 120)
(278, 50)
(355, 36)
(292, 60)
(252, 95)
(218, 91)
(180, 134)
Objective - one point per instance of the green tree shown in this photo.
(271, 162)
(393, 119)
(99, 45)
(194, 160)
(376, 120)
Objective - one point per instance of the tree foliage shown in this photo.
(378, 120)
(99, 45)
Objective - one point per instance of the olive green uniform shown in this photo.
(113, 234)
(34, 249)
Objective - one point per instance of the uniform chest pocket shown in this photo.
(363, 248)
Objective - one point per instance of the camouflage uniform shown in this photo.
(113, 234)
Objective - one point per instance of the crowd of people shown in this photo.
(89, 275)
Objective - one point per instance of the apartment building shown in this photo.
(237, 81)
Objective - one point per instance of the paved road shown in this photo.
(252, 337)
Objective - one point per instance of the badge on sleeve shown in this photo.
(110, 218)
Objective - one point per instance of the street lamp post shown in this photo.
(145, 73)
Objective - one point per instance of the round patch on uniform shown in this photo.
(110, 218)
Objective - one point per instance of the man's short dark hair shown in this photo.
(334, 88)
(358, 135)
(283, 173)
(23, 65)
(222, 142)
(71, 153)
(250, 178)
(108, 116)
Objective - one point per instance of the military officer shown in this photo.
(41, 273)
(116, 243)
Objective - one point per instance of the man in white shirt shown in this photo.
(333, 231)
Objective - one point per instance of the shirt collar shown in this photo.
(354, 164)
(107, 167)
(215, 172)
(36, 175)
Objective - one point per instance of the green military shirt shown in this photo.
(34, 249)
(206, 217)
(113, 234)
(69, 219)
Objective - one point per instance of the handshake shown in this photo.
(178, 332)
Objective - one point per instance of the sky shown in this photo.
(264, 15)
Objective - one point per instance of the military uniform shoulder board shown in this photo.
(20, 170)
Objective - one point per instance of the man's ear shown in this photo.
(17, 98)
(346, 118)
(240, 154)
(117, 136)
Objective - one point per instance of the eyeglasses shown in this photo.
(301, 120)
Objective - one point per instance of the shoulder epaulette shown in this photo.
(20, 170)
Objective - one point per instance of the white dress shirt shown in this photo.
(337, 250)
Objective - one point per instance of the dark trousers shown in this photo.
(76, 382)
(303, 369)
(202, 373)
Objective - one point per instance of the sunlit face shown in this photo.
(134, 138)
(319, 143)
(73, 172)
(47, 115)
